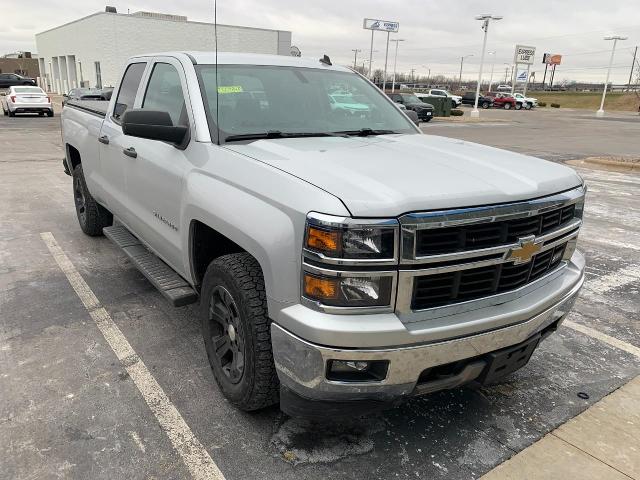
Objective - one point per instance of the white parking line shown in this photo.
(619, 278)
(194, 455)
(603, 337)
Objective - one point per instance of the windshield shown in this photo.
(292, 100)
(28, 90)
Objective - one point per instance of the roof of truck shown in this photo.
(232, 58)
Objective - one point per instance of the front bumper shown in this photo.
(302, 366)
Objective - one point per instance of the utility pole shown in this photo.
(633, 64)
(615, 39)
(413, 70)
(462, 63)
(355, 56)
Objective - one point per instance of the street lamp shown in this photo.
(506, 72)
(493, 63)
(615, 39)
(395, 61)
(355, 56)
(461, 63)
(485, 26)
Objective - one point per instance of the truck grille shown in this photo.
(458, 260)
(463, 285)
(471, 237)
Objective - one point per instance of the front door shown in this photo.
(155, 177)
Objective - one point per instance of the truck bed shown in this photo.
(95, 107)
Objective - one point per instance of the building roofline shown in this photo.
(158, 20)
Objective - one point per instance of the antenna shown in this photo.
(215, 34)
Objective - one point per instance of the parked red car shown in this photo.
(502, 100)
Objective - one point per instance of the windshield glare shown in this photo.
(259, 99)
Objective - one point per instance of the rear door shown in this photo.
(113, 160)
(155, 178)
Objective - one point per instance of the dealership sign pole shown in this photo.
(385, 26)
(552, 59)
(523, 55)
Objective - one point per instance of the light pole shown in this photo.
(615, 39)
(461, 63)
(493, 64)
(355, 56)
(486, 19)
(395, 62)
(428, 72)
(506, 72)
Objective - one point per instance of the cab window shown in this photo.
(164, 93)
(128, 89)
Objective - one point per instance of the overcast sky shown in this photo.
(436, 33)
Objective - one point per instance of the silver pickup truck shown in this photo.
(342, 260)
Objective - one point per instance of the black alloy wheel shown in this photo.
(226, 334)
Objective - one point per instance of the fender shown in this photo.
(255, 216)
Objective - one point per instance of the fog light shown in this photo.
(357, 370)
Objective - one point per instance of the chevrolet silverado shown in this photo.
(342, 261)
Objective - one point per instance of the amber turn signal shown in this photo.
(320, 288)
(323, 240)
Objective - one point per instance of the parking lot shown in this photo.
(70, 409)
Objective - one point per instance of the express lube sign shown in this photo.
(524, 55)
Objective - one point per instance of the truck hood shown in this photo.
(386, 176)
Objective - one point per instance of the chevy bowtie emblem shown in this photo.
(527, 249)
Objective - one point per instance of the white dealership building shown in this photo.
(92, 51)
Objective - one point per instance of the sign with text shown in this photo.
(524, 54)
(383, 25)
(521, 77)
(552, 58)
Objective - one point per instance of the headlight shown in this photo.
(348, 291)
(340, 256)
(344, 239)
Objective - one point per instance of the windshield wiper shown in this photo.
(365, 132)
(279, 134)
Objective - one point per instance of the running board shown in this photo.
(171, 285)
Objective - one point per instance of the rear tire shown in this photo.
(528, 106)
(92, 217)
(12, 114)
(49, 114)
(518, 106)
(236, 330)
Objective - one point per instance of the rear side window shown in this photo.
(164, 93)
(128, 89)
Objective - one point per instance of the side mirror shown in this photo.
(153, 125)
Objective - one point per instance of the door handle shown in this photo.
(104, 139)
(130, 152)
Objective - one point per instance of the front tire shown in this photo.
(518, 106)
(528, 106)
(507, 106)
(92, 217)
(236, 330)
(485, 105)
